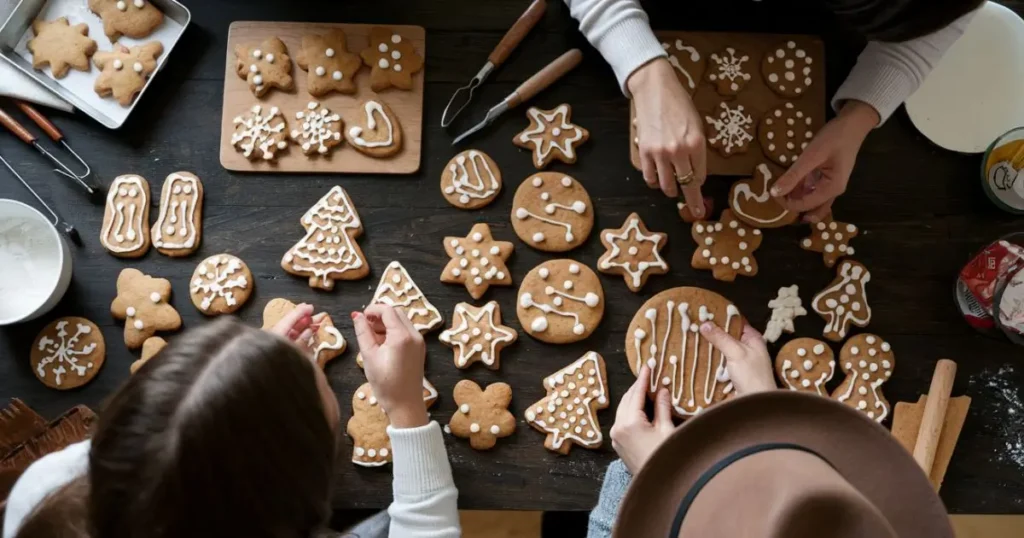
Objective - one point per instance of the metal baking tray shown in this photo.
(77, 86)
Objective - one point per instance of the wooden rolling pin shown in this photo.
(934, 414)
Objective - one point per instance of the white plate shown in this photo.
(35, 263)
(976, 93)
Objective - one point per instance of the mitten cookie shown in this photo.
(552, 212)
(260, 135)
(551, 136)
(125, 231)
(330, 65)
(664, 335)
(785, 308)
(61, 46)
(477, 261)
(785, 132)
(392, 59)
(560, 302)
(727, 72)
(844, 301)
(483, 415)
(471, 180)
(805, 365)
(634, 252)
(687, 62)
(142, 302)
(868, 362)
(133, 18)
(319, 129)
(787, 69)
(568, 414)
(477, 335)
(752, 202)
(832, 239)
(150, 348)
(68, 353)
(178, 230)
(726, 247)
(329, 251)
(265, 66)
(368, 426)
(381, 134)
(326, 343)
(124, 71)
(221, 284)
(731, 132)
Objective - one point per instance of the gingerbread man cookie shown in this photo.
(560, 302)
(221, 284)
(393, 60)
(568, 414)
(730, 132)
(380, 136)
(787, 69)
(551, 136)
(142, 302)
(471, 180)
(331, 67)
(664, 335)
(179, 226)
(727, 72)
(552, 212)
(634, 252)
(805, 365)
(260, 136)
(132, 18)
(329, 251)
(477, 261)
(68, 353)
(726, 247)
(152, 346)
(125, 231)
(785, 309)
(687, 62)
(61, 46)
(368, 426)
(326, 343)
(124, 71)
(483, 415)
(477, 335)
(265, 66)
(785, 132)
(319, 129)
(832, 239)
(752, 202)
(844, 301)
(868, 362)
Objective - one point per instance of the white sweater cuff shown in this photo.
(627, 45)
(882, 85)
(420, 460)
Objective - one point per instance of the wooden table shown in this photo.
(921, 208)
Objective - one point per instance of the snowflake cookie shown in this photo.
(477, 335)
(330, 65)
(319, 129)
(61, 46)
(124, 71)
(551, 136)
(142, 302)
(832, 239)
(868, 362)
(477, 261)
(726, 71)
(68, 353)
(131, 18)
(265, 66)
(260, 136)
(329, 250)
(689, 65)
(731, 131)
(805, 365)
(221, 284)
(844, 301)
(368, 426)
(326, 343)
(785, 308)
(483, 415)
(393, 60)
(634, 252)
(560, 302)
(726, 247)
(568, 414)
(787, 69)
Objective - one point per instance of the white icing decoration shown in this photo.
(785, 309)
(121, 5)
(469, 342)
(634, 268)
(118, 65)
(730, 67)
(126, 193)
(576, 206)
(328, 248)
(370, 108)
(837, 316)
(673, 59)
(222, 277)
(589, 299)
(178, 205)
(262, 133)
(588, 433)
(318, 128)
(65, 355)
(481, 184)
(542, 122)
(731, 127)
(397, 289)
(743, 190)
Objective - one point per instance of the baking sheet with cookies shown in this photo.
(407, 105)
(78, 87)
(756, 97)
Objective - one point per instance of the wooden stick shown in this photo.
(518, 31)
(546, 77)
(934, 414)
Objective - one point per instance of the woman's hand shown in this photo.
(634, 437)
(298, 326)
(670, 133)
(746, 359)
(823, 170)
(393, 356)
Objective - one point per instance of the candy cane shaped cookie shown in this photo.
(868, 362)
(380, 135)
(125, 231)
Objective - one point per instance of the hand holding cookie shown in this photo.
(393, 354)
(747, 359)
(634, 436)
(297, 326)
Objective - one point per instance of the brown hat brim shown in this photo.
(861, 450)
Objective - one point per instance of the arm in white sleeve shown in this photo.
(887, 74)
(620, 31)
(426, 501)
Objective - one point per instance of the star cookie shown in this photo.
(131, 18)
(731, 131)
(61, 46)
(124, 71)
(832, 239)
(478, 261)
(483, 415)
(331, 67)
(260, 136)
(150, 348)
(551, 136)
(393, 60)
(568, 414)
(477, 335)
(726, 247)
(844, 301)
(221, 284)
(265, 66)
(319, 129)
(68, 353)
(634, 252)
(326, 343)
(752, 202)
(142, 302)
(727, 72)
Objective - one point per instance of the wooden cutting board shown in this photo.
(238, 99)
(757, 97)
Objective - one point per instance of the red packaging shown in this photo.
(997, 261)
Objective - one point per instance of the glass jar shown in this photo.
(1002, 172)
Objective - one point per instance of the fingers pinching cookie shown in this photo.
(265, 66)
(634, 252)
(68, 353)
(477, 261)
(397, 289)
(832, 239)
(125, 231)
(731, 131)
(727, 71)
(560, 302)
(221, 284)
(868, 362)
(471, 180)
(805, 365)
(477, 335)
(329, 250)
(331, 67)
(393, 60)
(326, 343)
(552, 212)
(319, 129)
(551, 136)
(132, 18)
(381, 134)
(785, 132)
(726, 247)
(142, 302)
(483, 415)
(178, 229)
(260, 134)
(844, 301)
(61, 46)
(787, 69)
(752, 202)
(124, 71)
(568, 414)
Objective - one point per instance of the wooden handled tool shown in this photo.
(934, 414)
(54, 133)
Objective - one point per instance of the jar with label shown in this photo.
(990, 289)
(1002, 171)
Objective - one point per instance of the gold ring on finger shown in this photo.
(686, 179)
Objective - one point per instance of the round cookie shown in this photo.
(728, 72)
(805, 365)
(787, 69)
(471, 180)
(867, 361)
(260, 135)
(552, 212)
(319, 130)
(378, 134)
(68, 353)
(483, 415)
(221, 284)
(784, 133)
(560, 302)
(665, 335)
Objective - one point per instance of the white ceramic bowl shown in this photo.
(35, 263)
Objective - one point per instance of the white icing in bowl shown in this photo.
(35, 263)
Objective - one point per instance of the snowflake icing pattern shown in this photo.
(731, 129)
(258, 134)
(214, 280)
(64, 352)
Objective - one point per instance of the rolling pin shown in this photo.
(934, 414)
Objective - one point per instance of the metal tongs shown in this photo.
(55, 134)
(512, 38)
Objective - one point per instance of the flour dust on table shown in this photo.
(68, 353)
(329, 250)
(221, 284)
(560, 302)
(552, 212)
(568, 414)
(125, 228)
(805, 365)
(178, 229)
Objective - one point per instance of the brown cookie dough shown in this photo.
(61, 46)
(832, 239)
(393, 60)
(319, 130)
(331, 67)
(867, 361)
(150, 348)
(368, 426)
(471, 180)
(785, 132)
(68, 353)
(124, 71)
(752, 202)
(730, 132)
(483, 415)
(132, 18)
(477, 335)
(376, 132)
(727, 71)
(787, 69)
(477, 261)
(329, 250)
(178, 229)
(552, 212)
(260, 134)
(265, 66)
(560, 302)
(844, 301)
(726, 247)
(551, 136)
(142, 302)
(687, 62)
(634, 252)
(568, 414)
(125, 231)
(326, 343)
(221, 284)
(805, 365)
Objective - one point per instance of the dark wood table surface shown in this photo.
(921, 209)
